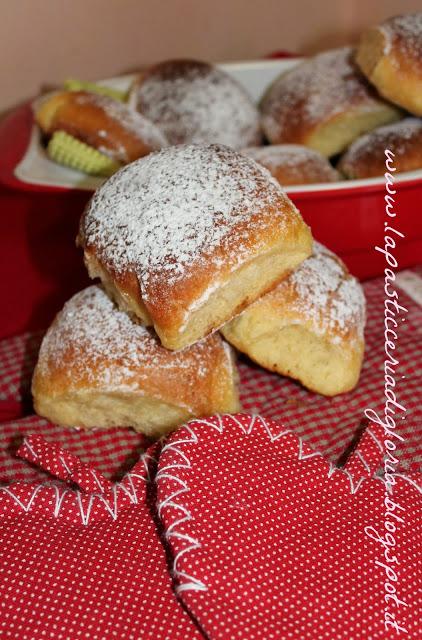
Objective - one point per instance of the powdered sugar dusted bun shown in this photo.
(101, 122)
(366, 157)
(390, 55)
(310, 327)
(324, 103)
(193, 101)
(293, 163)
(187, 237)
(97, 368)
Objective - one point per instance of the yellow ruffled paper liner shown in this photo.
(73, 153)
(72, 84)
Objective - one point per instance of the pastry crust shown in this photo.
(366, 157)
(390, 55)
(293, 164)
(188, 237)
(310, 327)
(195, 102)
(324, 103)
(101, 122)
(96, 368)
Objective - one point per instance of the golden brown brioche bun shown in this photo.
(189, 236)
(366, 156)
(293, 164)
(97, 368)
(390, 55)
(310, 327)
(324, 103)
(195, 102)
(101, 122)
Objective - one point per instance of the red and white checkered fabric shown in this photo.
(111, 451)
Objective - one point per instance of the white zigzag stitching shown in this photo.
(186, 581)
(63, 461)
(28, 446)
(189, 582)
(412, 482)
(375, 439)
(363, 461)
(110, 505)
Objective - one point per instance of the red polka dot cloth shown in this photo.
(263, 539)
(84, 563)
(269, 540)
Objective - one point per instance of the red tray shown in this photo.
(350, 221)
(40, 266)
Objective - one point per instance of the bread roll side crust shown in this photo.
(395, 76)
(97, 368)
(87, 117)
(89, 409)
(366, 157)
(323, 103)
(310, 327)
(335, 135)
(208, 298)
(292, 350)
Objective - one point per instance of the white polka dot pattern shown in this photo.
(81, 566)
(268, 538)
(62, 464)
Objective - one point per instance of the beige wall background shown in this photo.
(44, 41)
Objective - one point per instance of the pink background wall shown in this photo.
(45, 41)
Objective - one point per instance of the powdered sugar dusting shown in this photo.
(315, 91)
(387, 39)
(168, 212)
(328, 295)
(397, 137)
(405, 32)
(112, 351)
(289, 154)
(137, 125)
(300, 160)
(196, 102)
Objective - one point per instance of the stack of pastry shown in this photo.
(96, 130)
(350, 101)
(309, 115)
(197, 247)
(186, 241)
